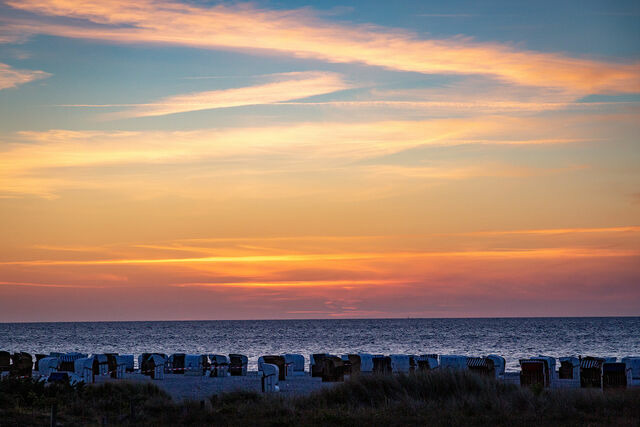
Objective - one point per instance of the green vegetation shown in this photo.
(438, 398)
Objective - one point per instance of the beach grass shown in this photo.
(436, 398)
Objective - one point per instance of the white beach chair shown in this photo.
(400, 363)
(103, 364)
(569, 373)
(158, 370)
(219, 365)
(499, 364)
(84, 369)
(453, 362)
(193, 364)
(366, 363)
(48, 365)
(270, 374)
(121, 366)
(294, 364)
(633, 371)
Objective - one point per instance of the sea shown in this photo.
(512, 338)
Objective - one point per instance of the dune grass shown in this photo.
(437, 398)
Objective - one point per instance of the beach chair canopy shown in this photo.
(633, 366)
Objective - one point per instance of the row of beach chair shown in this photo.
(588, 372)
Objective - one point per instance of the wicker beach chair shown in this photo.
(382, 365)
(614, 375)
(534, 372)
(591, 372)
(332, 369)
(238, 364)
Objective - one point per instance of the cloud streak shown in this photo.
(289, 86)
(11, 77)
(40, 162)
(302, 34)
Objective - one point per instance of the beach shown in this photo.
(191, 387)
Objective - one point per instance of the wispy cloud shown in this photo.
(287, 86)
(11, 77)
(300, 33)
(41, 162)
(556, 253)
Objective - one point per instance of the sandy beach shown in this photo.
(187, 387)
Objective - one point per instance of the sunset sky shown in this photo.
(165, 160)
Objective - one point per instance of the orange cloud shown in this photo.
(299, 33)
(311, 257)
(11, 77)
(26, 165)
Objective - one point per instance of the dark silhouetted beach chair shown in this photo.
(481, 365)
(534, 372)
(5, 361)
(614, 375)
(352, 364)
(332, 369)
(38, 358)
(22, 365)
(176, 363)
(315, 363)
(382, 365)
(569, 368)
(238, 364)
(112, 364)
(591, 372)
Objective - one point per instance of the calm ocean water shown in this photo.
(513, 338)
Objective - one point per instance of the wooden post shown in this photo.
(54, 415)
